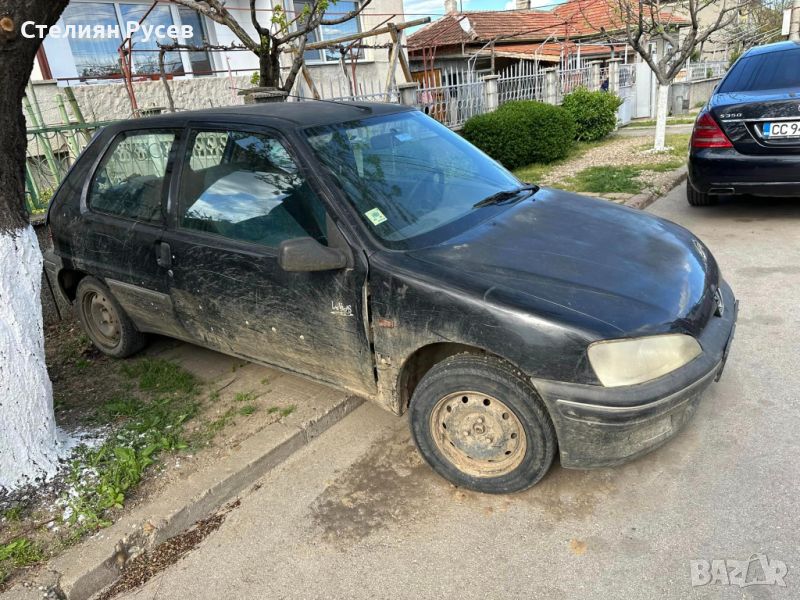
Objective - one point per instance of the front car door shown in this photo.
(238, 194)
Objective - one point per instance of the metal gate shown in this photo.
(644, 91)
(627, 92)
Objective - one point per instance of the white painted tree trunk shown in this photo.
(662, 109)
(29, 441)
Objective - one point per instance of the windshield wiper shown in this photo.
(507, 195)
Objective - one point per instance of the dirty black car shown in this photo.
(369, 247)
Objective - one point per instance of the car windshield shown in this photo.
(406, 174)
(770, 71)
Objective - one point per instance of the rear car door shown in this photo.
(123, 219)
(239, 194)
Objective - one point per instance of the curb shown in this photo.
(642, 201)
(98, 562)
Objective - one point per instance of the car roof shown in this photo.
(281, 114)
(776, 47)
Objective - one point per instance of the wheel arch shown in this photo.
(424, 358)
(68, 280)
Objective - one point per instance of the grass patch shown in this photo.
(20, 553)
(160, 376)
(100, 478)
(204, 436)
(608, 180)
(247, 410)
(13, 514)
(244, 397)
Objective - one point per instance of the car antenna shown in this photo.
(340, 102)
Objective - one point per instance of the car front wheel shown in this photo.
(105, 322)
(480, 425)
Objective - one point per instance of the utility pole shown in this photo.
(794, 23)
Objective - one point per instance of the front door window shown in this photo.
(246, 187)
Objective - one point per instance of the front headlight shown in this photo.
(636, 360)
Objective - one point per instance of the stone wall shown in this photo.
(109, 101)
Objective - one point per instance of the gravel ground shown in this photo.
(618, 151)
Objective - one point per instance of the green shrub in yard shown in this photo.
(522, 132)
(595, 113)
(497, 136)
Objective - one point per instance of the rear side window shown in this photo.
(130, 180)
(770, 71)
(245, 186)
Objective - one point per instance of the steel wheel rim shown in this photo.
(478, 434)
(102, 319)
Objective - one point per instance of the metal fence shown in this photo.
(344, 89)
(706, 70)
(521, 81)
(453, 105)
(57, 133)
(570, 80)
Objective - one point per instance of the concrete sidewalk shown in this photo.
(359, 515)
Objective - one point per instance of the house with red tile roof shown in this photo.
(570, 35)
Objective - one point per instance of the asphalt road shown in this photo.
(358, 515)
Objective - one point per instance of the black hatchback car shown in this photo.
(747, 138)
(371, 248)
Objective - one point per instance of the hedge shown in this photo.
(522, 132)
(595, 113)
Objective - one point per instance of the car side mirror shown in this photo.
(306, 254)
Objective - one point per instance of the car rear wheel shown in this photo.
(105, 322)
(480, 425)
(696, 198)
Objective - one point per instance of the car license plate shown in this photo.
(782, 129)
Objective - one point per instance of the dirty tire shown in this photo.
(105, 321)
(464, 390)
(696, 198)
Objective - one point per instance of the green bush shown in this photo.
(522, 132)
(595, 113)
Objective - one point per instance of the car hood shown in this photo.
(603, 268)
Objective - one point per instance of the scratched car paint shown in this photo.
(370, 248)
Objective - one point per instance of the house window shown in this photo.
(93, 57)
(99, 57)
(330, 32)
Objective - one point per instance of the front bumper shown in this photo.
(726, 171)
(599, 427)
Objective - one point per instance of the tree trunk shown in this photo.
(29, 444)
(662, 109)
(269, 67)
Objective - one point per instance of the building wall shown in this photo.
(373, 67)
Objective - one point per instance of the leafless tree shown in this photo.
(675, 29)
(286, 30)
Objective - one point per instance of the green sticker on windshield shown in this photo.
(375, 216)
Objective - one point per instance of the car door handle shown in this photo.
(164, 255)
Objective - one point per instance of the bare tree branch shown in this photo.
(216, 11)
(350, 15)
